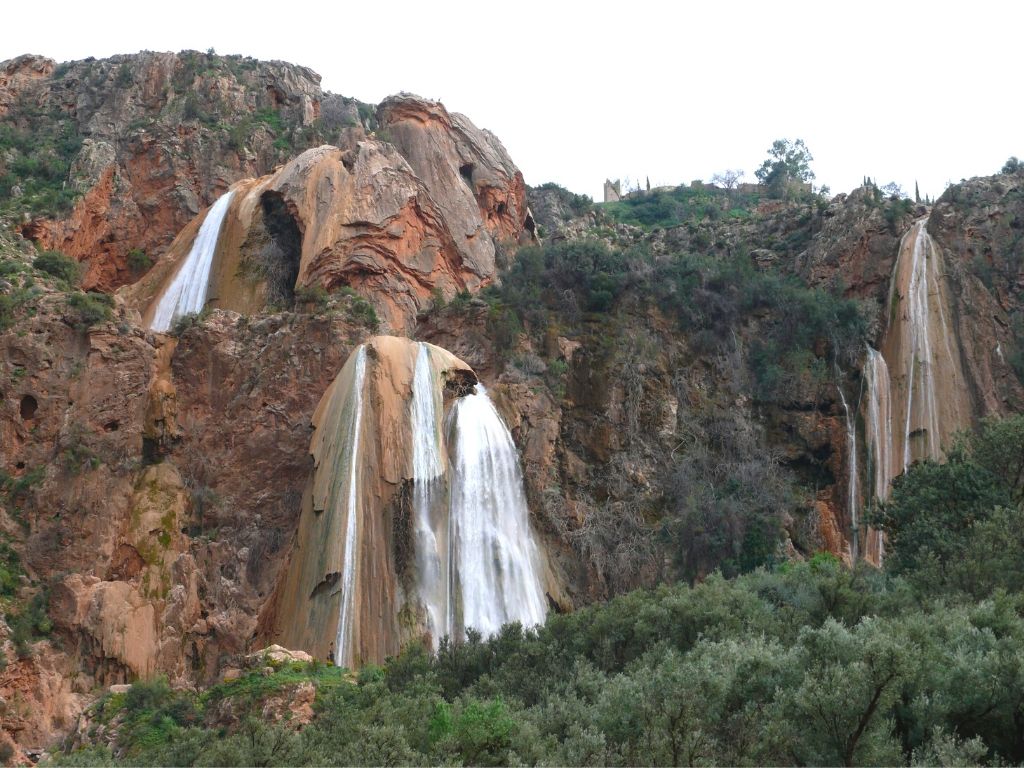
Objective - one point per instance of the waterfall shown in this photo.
(186, 293)
(414, 525)
(352, 437)
(879, 442)
(917, 394)
(432, 556)
(922, 379)
(929, 396)
(493, 554)
(851, 477)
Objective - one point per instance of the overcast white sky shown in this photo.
(578, 91)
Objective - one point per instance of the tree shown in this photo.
(788, 165)
(727, 179)
(893, 190)
(1013, 165)
(958, 525)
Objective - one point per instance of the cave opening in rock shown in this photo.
(466, 171)
(279, 258)
(29, 406)
(530, 225)
(502, 208)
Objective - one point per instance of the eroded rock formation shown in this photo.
(152, 139)
(399, 221)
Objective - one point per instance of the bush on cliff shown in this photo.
(62, 267)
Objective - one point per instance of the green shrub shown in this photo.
(359, 310)
(11, 305)
(184, 322)
(315, 296)
(62, 267)
(30, 623)
(89, 309)
(670, 208)
(124, 76)
(148, 695)
(10, 570)
(42, 147)
(138, 261)
(76, 455)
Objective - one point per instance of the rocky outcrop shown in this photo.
(484, 190)
(554, 207)
(152, 139)
(19, 75)
(398, 221)
(156, 538)
(858, 243)
(979, 226)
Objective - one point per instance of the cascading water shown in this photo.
(852, 499)
(878, 425)
(353, 433)
(432, 554)
(493, 554)
(916, 394)
(186, 293)
(929, 400)
(414, 525)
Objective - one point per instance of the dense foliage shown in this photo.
(673, 207)
(958, 527)
(36, 152)
(809, 664)
(711, 297)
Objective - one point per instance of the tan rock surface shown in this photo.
(364, 217)
(304, 611)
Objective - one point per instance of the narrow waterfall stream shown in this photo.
(852, 496)
(430, 524)
(922, 374)
(187, 292)
(494, 556)
(878, 425)
(351, 457)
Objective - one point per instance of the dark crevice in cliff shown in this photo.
(29, 405)
(279, 258)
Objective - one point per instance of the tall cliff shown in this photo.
(676, 393)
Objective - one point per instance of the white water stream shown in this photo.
(186, 293)
(878, 425)
(344, 641)
(494, 558)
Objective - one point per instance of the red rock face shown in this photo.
(159, 537)
(164, 134)
(18, 76)
(469, 166)
(396, 221)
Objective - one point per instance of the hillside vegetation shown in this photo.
(808, 664)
